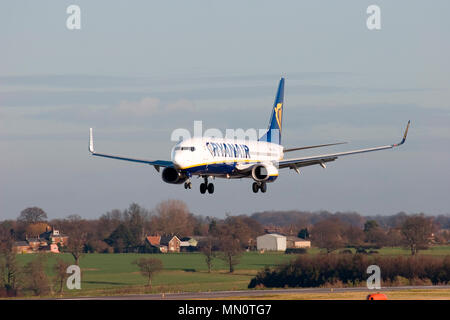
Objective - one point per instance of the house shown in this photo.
(22, 247)
(271, 242)
(35, 243)
(53, 248)
(49, 241)
(188, 244)
(170, 243)
(54, 236)
(295, 242)
(188, 241)
(153, 240)
(32, 245)
(165, 243)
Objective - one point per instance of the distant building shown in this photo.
(171, 243)
(53, 248)
(22, 247)
(165, 243)
(32, 245)
(188, 242)
(45, 242)
(295, 242)
(54, 236)
(271, 242)
(35, 243)
(153, 240)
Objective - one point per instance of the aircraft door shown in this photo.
(205, 156)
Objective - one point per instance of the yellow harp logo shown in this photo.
(278, 113)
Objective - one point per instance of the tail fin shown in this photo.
(273, 133)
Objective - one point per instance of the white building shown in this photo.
(271, 242)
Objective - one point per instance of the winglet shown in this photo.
(91, 141)
(404, 136)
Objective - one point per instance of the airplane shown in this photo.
(259, 160)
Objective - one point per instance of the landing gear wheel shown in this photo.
(188, 185)
(202, 188)
(263, 187)
(210, 188)
(255, 187)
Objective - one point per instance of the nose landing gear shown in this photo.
(188, 185)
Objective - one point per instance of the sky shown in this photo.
(136, 71)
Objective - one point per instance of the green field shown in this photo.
(107, 274)
(115, 273)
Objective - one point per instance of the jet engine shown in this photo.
(262, 172)
(171, 175)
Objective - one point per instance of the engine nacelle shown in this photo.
(171, 175)
(263, 172)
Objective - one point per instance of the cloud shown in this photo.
(142, 108)
(181, 105)
(149, 106)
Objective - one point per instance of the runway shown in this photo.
(251, 293)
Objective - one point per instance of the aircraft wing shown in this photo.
(295, 163)
(311, 147)
(156, 163)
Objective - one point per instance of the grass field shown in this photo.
(115, 273)
(105, 274)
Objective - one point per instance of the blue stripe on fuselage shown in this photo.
(218, 168)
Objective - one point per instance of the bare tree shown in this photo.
(76, 231)
(149, 267)
(354, 236)
(135, 217)
(230, 251)
(9, 268)
(416, 232)
(36, 278)
(108, 222)
(32, 215)
(207, 249)
(327, 234)
(233, 234)
(376, 237)
(61, 275)
(394, 237)
(35, 229)
(173, 218)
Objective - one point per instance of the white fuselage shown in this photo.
(225, 157)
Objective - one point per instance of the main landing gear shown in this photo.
(259, 186)
(206, 186)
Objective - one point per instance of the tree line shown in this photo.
(350, 270)
(125, 230)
